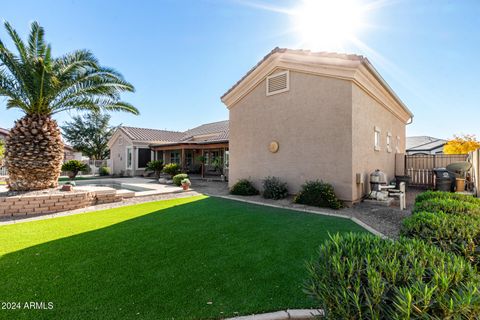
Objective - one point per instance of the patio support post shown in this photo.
(203, 164)
(183, 159)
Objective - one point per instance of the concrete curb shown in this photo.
(291, 314)
(360, 223)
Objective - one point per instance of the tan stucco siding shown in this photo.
(118, 152)
(312, 123)
(368, 114)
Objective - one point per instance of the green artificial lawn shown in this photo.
(195, 257)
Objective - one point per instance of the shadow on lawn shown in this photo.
(205, 259)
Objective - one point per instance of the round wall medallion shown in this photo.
(273, 146)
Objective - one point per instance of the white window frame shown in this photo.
(377, 138)
(287, 72)
(389, 141)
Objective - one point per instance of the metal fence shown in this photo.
(3, 171)
(420, 167)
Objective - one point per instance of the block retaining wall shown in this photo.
(42, 204)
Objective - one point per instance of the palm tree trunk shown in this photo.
(34, 153)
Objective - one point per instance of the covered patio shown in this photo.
(209, 159)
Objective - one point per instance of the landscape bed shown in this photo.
(196, 257)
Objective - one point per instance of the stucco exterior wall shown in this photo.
(118, 153)
(368, 114)
(312, 122)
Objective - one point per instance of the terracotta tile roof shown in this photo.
(345, 56)
(215, 131)
(151, 135)
(205, 133)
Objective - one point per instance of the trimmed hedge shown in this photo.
(319, 194)
(177, 179)
(274, 189)
(361, 276)
(244, 187)
(459, 234)
(446, 195)
(451, 206)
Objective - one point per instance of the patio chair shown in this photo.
(401, 194)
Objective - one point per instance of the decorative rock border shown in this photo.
(291, 314)
(35, 204)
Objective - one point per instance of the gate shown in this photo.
(420, 166)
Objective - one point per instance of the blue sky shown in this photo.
(183, 55)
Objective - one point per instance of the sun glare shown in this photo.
(327, 24)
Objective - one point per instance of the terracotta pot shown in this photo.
(67, 187)
(185, 186)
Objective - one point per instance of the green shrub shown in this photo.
(361, 276)
(73, 167)
(104, 171)
(451, 206)
(155, 166)
(177, 179)
(459, 234)
(172, 169)
(446, 195)
(244, 188)
(275, 189)
(319, 194)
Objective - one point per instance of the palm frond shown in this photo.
(22, 51)
(36, 43)
(37, 83)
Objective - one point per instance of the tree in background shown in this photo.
(41, 85)
(2, 152)
(89, 134)
(461, 144)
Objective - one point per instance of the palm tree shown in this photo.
(42, 86)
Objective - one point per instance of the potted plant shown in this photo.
(171, 169)
(186, 184)
(73, 167)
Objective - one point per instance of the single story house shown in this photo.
(424, 145)
(300, 116)
(132, 148)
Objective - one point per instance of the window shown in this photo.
(159, 155)
(175, 157)
(389, 142)
(397, 147)
(378, 133)
(278, 83)
(188, 158)
(129, 158)
(144, 157)
(227, 158)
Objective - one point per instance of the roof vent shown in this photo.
(278, 83)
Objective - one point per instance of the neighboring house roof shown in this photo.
(4, 132)
(424, 143)
(151, 135)
(345, 66)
